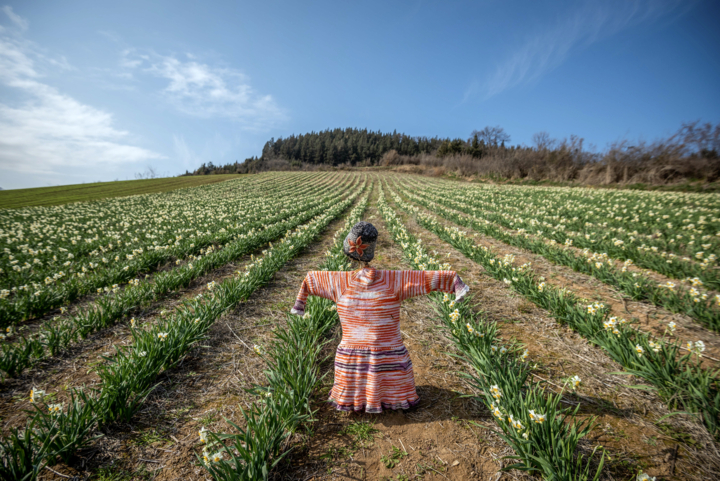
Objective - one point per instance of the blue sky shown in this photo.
(95, 90)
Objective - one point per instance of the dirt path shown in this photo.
(626, 417)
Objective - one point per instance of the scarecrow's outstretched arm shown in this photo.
(316, 283)
(418, 283)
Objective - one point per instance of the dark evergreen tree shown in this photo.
(352, 146)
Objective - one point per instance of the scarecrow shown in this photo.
(373, 370)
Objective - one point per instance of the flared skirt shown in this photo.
(372, 380)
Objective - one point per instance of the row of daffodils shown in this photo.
(57, 430)
(686, 299)
(40, 241)
(622, 243)
(543, 436)
(283, 405)
(679, 379)
(671, 234)
(57, 335)
(137, 238)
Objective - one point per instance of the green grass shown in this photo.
(64, 194)
(117, 473)
(146, 438)
(391, 460)
(363, 430)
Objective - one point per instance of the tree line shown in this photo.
(690, 153)
(354, 147)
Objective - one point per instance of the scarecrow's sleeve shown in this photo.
(316, 283)
(418, 283)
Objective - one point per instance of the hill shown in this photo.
(64, 194)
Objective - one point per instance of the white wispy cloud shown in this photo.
(207, 91)
(20, 22)
(46, 131)
(588, 23)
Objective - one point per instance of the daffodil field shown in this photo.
(125, 293)
(56, 431)
(112, 305)
(687, 296)
(78, 249)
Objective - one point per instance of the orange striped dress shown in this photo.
(373, 370)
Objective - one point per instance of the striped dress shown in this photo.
(373, 370)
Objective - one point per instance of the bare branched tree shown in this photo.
(543, 141)
(702, 139)
(492, 135)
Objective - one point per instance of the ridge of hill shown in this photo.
(65, 194)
